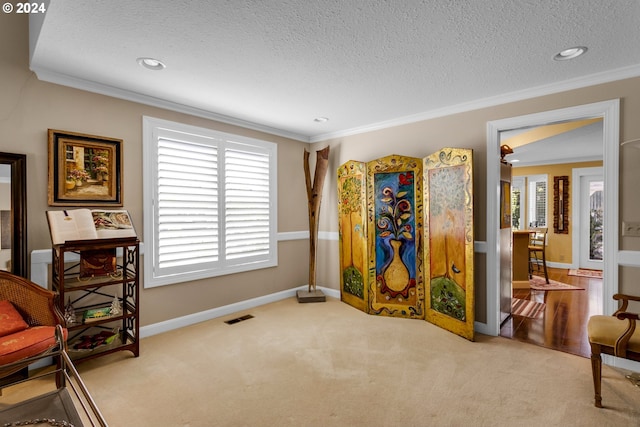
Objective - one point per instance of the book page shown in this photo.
(73, 224)
(111, 224)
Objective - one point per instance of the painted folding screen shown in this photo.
(352, 207)
(406, 237)
(448, 231)
(394, 204)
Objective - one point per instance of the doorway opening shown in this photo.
(609, 112)
(542, 160)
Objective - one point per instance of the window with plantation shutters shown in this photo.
(537, 190)
(209, 203)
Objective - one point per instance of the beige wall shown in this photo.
(559, 248)
(29, 107)
(468, 130)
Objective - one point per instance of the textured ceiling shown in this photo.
(277, 65)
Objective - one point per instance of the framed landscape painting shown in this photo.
(84, 170)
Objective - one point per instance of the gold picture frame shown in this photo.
(505, 204)
(84, 170)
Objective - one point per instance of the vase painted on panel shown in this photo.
(396, 275)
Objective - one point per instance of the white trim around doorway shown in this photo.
(610, 112)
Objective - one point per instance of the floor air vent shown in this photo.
(238, 319)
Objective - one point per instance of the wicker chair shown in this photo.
(38, 308)
(614, 335)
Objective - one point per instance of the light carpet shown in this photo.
(580, 272)
(539, 284)
(328, 364)
(526, 308)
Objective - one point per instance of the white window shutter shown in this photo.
(187, 205)
(247, 204)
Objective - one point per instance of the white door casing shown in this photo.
(610, 113)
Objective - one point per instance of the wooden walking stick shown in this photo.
(314, 196)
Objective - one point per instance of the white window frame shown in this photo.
(531, 197)
(518, 182)
(153, 129)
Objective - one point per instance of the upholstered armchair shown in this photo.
(614, 335)
(28, 319)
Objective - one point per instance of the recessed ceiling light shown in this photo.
(151, 64)
(514, 160)
(321, 119)
(572, 52)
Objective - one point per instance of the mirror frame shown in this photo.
(18, 163)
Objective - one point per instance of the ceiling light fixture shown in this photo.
(151, 64)
(321, 119)
(572, 52)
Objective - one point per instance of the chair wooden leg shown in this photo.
(544, 266)
(596, 371)
(533, 259)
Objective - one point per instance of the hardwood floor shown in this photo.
(563, 326)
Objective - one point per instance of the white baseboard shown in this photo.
(191, 319)
(617, 362)
(481, 328)
(559, 265)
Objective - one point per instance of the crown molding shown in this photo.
(534, 92)
(90, 86)
(566, 85)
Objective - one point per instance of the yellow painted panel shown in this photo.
(448, 236)
(352, 226)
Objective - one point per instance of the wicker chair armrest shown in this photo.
(38, 306)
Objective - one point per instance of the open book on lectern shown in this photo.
(86, 224)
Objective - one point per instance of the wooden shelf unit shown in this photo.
(100, 291)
